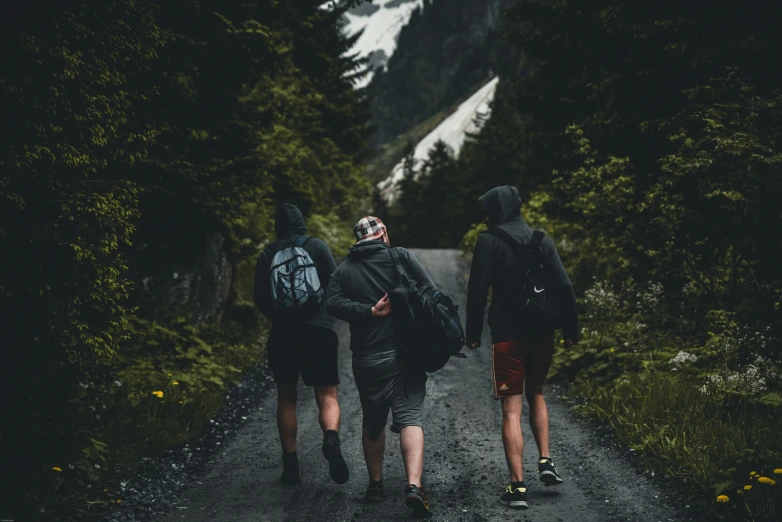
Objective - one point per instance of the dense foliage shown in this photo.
(647, 140)
(129, 124)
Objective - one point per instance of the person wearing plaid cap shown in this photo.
(358, 294)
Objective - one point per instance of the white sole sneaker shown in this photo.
(515, 503)
(550, 479)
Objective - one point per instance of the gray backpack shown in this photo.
(295, 286)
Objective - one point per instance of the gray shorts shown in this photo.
(383, 386)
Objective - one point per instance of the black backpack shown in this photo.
(537, 294)
(427, 323)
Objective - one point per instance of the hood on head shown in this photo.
(289, 221)
(502, 204)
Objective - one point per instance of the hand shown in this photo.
(382, 308)
(472, 345)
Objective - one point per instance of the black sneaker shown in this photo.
(375, 492)
(331, 450)
(290, 469)
(548, 473)
(417, 500)
(515, 496)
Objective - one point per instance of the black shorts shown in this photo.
(310, 351)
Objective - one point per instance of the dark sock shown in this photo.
(378, 482)
(289, 458)
(515, 485)
(332, 437)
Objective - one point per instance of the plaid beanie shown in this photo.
(368, 228)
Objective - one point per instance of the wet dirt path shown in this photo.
(464, 465)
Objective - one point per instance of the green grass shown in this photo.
(710, 443)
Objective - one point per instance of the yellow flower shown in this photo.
(170, 375)
(611, 350)
(747, 487)
(119, 500)
(181, 402)
(722, 499)
(778, 471)
(766, 480)
(57, 468)
(753, 473)
(740, 492)
(158, 394)
(175, 383)
(562, 341)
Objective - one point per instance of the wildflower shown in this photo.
(778, 471)
(175, 383)
(181, 402)
(753, 473)
(562, 341)
(747, 487)
(722, 499)
(170, 375)
(158, 394)
(766, 480)
(56, 468)
(119, 500)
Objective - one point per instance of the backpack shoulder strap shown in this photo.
(301, 241)
(537, 239)
(398, 263)
(510, 240)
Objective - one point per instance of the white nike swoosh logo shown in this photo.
(536, 289)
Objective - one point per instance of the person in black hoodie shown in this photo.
(358, 294)
(521, 354)
(306, 346)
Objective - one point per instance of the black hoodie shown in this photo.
(359, 283)
(495, 265)
(289, 225)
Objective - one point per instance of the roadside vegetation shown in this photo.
(145, 146)
(647, 140)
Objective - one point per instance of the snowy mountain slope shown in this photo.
(381, 21)
(453, 131)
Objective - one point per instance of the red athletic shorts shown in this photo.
(512, 361)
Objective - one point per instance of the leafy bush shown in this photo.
(165, 383)
(127, 123)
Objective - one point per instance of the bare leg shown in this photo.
(538, 418)
(538, 365)
(373, 454)
(286, 416)
(512, 438)
(411, 440)
(326, 398)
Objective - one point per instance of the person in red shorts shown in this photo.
(521, 350)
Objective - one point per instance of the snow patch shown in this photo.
(467, 119)
(381, 30)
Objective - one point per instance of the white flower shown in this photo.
(682, 359)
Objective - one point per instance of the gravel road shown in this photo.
(464, 467)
